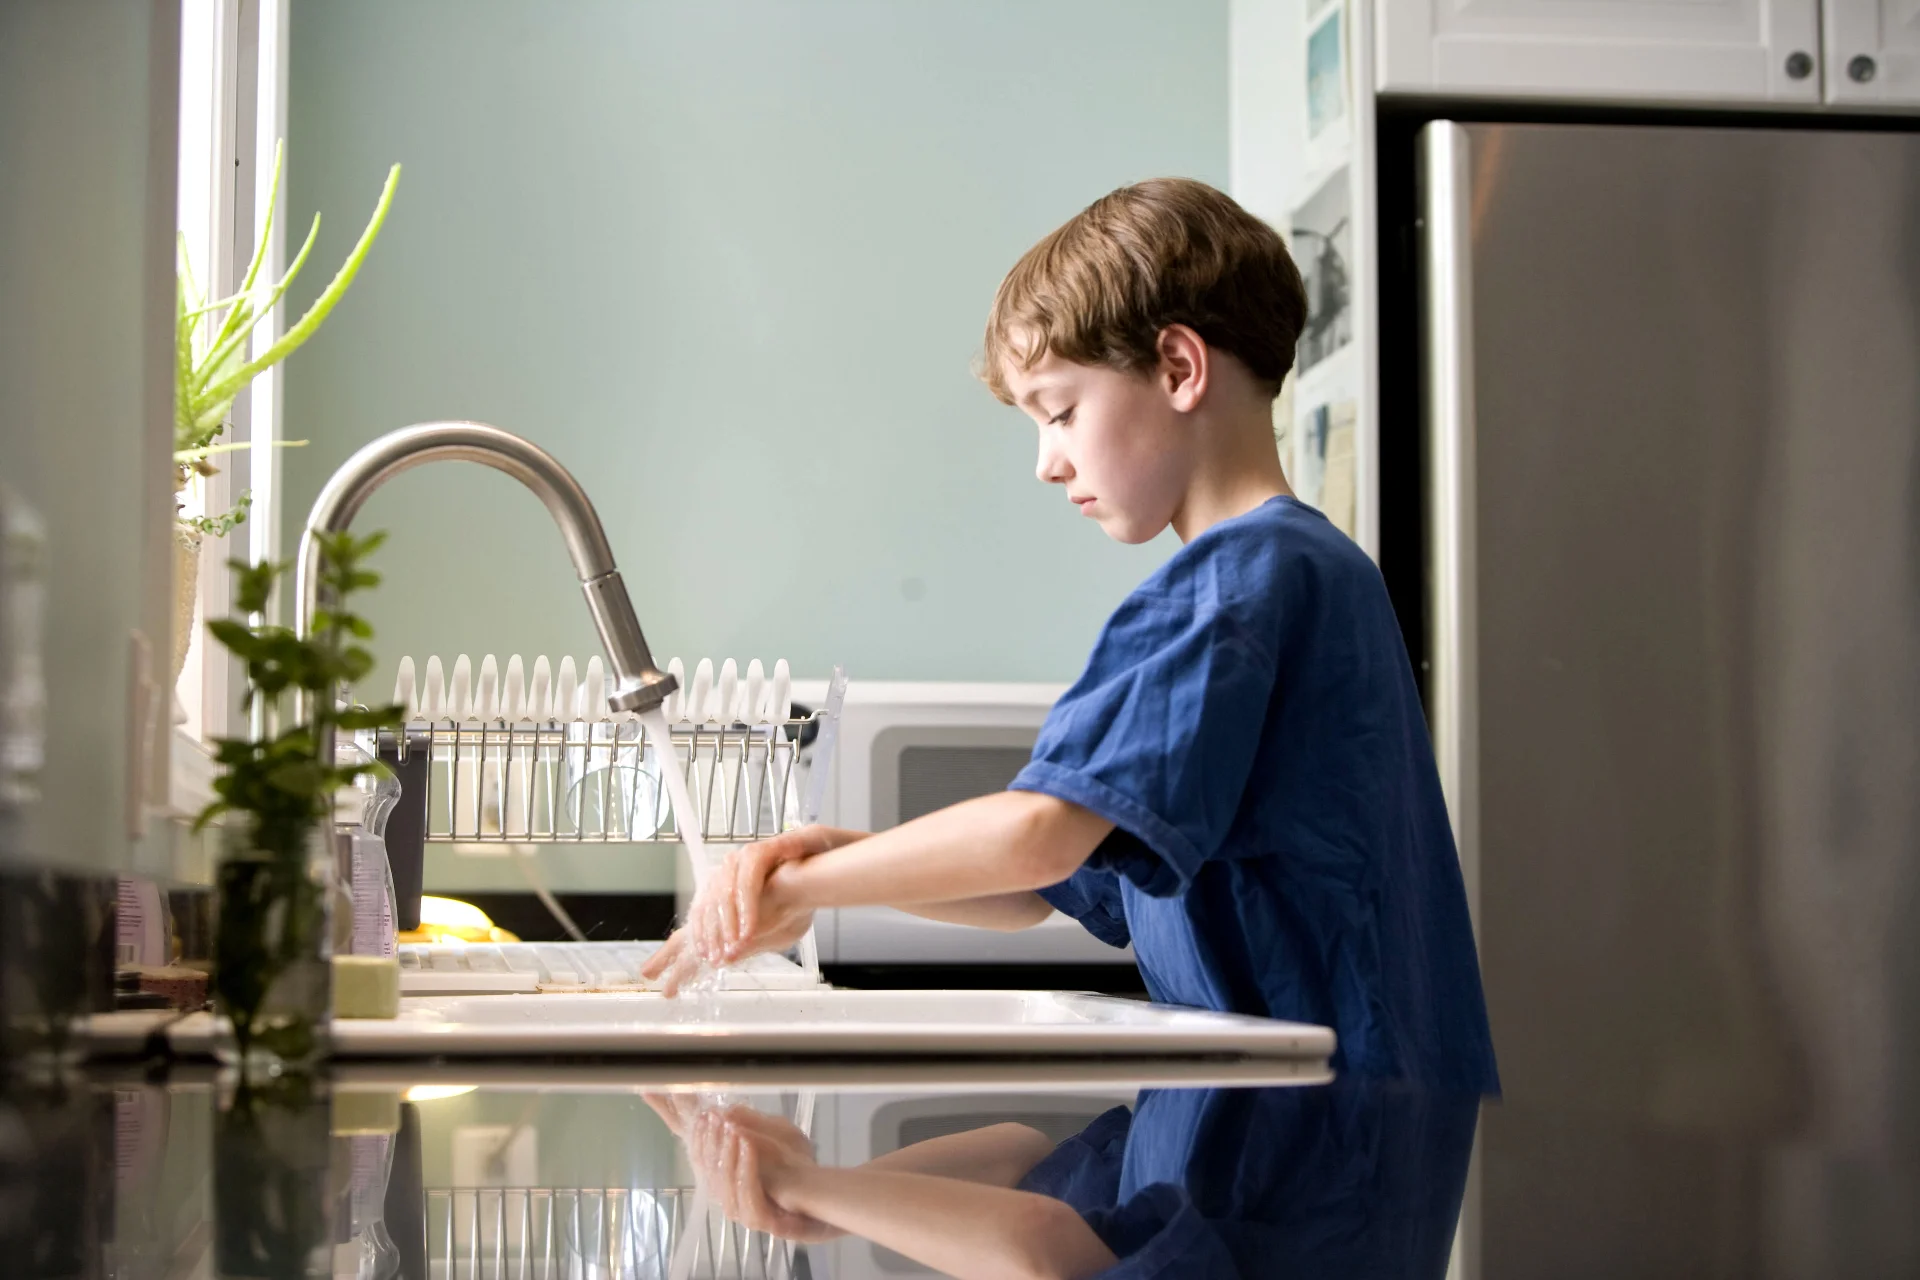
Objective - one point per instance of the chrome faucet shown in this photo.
(638, 685)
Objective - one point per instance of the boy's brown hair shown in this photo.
(1168, 251)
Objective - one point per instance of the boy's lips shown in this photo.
(1082, 503)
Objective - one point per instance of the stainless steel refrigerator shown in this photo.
(1660, 398)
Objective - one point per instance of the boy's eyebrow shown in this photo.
(1031, 396)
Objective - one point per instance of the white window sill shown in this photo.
(190, 787)
(171, 850)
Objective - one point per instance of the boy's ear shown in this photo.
(1184, 366)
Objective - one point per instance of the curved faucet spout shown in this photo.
(638, 685)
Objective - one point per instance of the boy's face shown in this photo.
(1116, 442)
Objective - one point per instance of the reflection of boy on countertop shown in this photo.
(1240, 783)
(1360, 1178)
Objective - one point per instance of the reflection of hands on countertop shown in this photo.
(739, 1156)
(949, 1203)
(751, 1164)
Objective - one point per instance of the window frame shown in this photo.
(232, 114)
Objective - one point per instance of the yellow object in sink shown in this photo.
(444, 918)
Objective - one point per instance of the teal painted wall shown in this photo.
(730, 262)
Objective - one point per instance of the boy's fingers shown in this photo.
(750, 1205)
(775, 1128)
(754, 866)
(685, 970)
(696, 925)
(757, 867)
(664, 955)
(672, 1110)
(752, 1190)
(713, 934)
(669, 982)
(726, 901)
(684, 965)
(784, 846)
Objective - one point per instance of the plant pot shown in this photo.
(273, 946)
(186, 593)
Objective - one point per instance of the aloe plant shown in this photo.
(212, 368)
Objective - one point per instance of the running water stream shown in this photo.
(686, 821)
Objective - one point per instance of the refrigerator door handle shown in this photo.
(1446, 289)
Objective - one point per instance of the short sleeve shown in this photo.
(1084, 1171)
(1159, 1234)
(1091, 895)
(1159, 735)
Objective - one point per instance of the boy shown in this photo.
(1241, 782)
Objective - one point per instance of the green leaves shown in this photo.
(254, 584)
(280, 782)
(211, 370)
(272, 914)
(220, 526)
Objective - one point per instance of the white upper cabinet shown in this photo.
(1680, 51)
(1873, 52)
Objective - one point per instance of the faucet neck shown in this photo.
(638, 684)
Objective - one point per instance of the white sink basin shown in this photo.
(818, 1022)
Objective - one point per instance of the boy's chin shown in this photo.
(1131, 532)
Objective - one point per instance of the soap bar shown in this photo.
(365, 1113)
(366, 987)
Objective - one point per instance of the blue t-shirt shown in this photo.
(1353, 1180)
(1249, 723)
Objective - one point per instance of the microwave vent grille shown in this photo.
(933, 777)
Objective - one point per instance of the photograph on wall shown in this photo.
(1326, 74)
(1322, 473)
(1322, 239)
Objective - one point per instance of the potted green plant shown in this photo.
(211, 368)
(275, 879)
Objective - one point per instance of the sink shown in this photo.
(819, 1022)
(755, 1008)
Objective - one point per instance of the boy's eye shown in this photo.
(1061, 418)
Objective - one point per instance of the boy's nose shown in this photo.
(1053, 467)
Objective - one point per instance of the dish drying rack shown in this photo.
(593, 1233)
(640, 1232)
(513, 759)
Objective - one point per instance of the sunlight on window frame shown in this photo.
(232, 111)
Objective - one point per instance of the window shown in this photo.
(232, 113)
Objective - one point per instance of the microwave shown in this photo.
(907, 749)
(851, 1128)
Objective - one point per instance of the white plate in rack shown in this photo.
(817, 1023)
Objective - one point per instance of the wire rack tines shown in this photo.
(558, 1233)
(601, 781)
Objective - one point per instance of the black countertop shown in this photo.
(579, 1172)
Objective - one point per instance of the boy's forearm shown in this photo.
(998, 1155)
(1006, 912)
(957, 1227)
(1006, 843)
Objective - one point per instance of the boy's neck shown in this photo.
(1238, 470)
